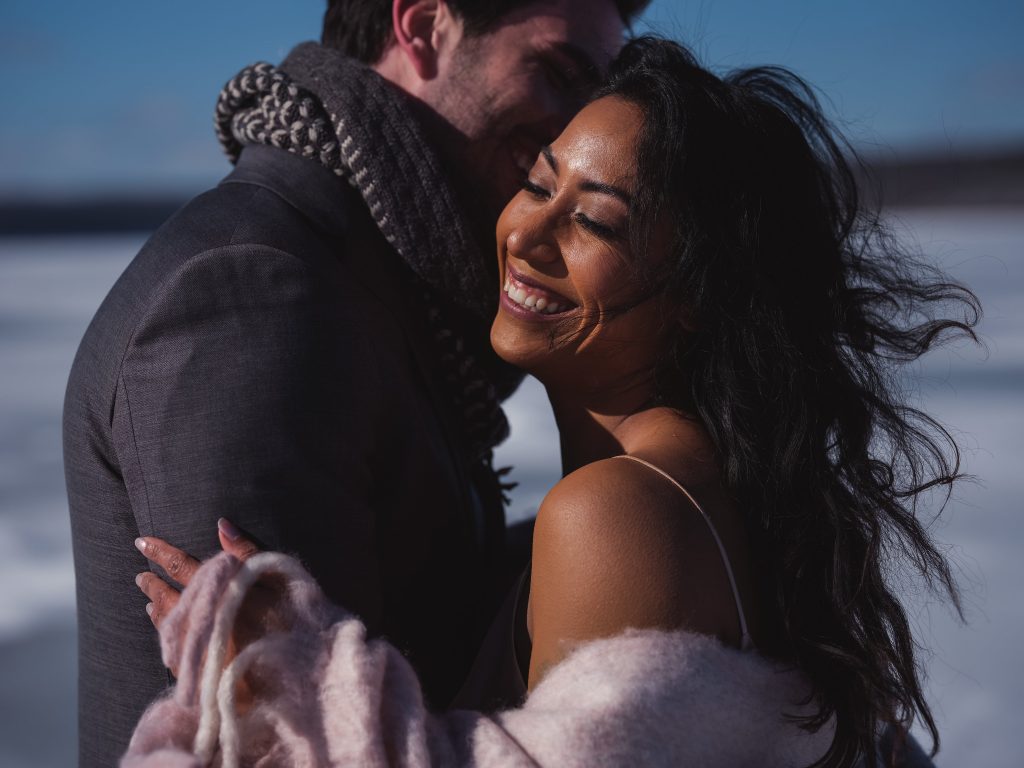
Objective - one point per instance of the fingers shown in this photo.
(162, 596)
(181, 567)
(233, 541)
(178, 565)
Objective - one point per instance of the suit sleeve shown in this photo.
(247, 391)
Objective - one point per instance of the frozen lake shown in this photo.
(49, 288)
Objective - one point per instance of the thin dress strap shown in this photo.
(746, 642)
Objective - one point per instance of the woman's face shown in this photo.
(567, 272)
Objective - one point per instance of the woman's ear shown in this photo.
(420, 28)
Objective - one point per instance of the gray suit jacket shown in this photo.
(264, 358)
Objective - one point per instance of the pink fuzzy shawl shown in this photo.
(325, 696)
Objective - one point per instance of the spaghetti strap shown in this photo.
(746, 642)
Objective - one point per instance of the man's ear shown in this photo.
(415, 25)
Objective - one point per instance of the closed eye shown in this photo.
(570, 68)
(557, 76)
(535, 190)
(601, 230)
(567, 79)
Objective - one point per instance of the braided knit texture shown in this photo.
(322, 105)
(332, 110)
(261, 105)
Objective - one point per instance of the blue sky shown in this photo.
(118, 95)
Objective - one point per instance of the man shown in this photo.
(303, 349)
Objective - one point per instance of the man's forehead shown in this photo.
(591, 15)
(590, 28)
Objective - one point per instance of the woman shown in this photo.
(688, 273)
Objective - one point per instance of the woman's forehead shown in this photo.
(601, 139)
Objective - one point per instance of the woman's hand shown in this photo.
(257, 615)
(181, 566)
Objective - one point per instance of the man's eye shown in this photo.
(564, 77)
(535, 190)
(559, 78)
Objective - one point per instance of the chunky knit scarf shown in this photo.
(333, 110)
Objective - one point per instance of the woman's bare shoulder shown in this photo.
(613, 499)
(609, 553)
(617, 545)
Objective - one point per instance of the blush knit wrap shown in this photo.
(325, 695)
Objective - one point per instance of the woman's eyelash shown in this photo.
(596, 227)
(534, 189)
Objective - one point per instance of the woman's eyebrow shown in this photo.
(588, 186)
(606, 189)
(550, 157)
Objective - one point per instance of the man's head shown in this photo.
(504, 76)
(362, 29)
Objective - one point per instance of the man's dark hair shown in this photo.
(362, 28)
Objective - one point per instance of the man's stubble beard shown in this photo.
(461, 130)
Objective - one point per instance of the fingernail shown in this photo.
(149, 609)
(141, 544)
(138, 580)
(228, 529)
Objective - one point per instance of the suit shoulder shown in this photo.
(236, 214)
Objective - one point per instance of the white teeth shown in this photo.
(531, 301)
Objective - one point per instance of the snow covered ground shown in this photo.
(49, 288)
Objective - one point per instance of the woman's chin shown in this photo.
(527, 354)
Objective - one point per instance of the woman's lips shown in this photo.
(525, 294)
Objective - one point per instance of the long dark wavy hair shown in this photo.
(799, 310)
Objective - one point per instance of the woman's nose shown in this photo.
(532, 239)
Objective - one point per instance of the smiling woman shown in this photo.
(564, 254)
(736, 318)
(716, 320)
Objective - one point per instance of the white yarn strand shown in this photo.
(214, 675)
